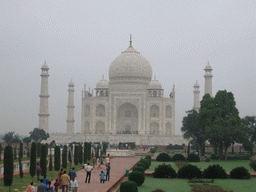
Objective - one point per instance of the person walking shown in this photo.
(64, 181)
(56, 185)
(59, 176)
(73, 184)
(73, 173)
(41, 187)
(38, 171)
(108, 172)
(102, 177)
(88, 170)
(31, 188)
(94, 161)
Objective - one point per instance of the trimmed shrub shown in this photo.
(164, 171)
(148, 157)
(138, 168)
(164, 157)
(76, 155)
(178, 157)
(240, 173)
(238, 157)
(193, 158)
(207, 158)
(142, 165)
(15, 153)
(137, 177)
(32, 168)
(50, 164)
(8, 165)
(85, 152)
(64, 157)
(214, 172)
(43, 163)
(189, 172)
(252, 162)
(153, 150)
(57, 158)
(128, 186)
(38, 149)
(146, 162)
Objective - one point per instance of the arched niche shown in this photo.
(168, 128)
(87, 111)
(168, 111)
(154, 111)
(127, 119)
(154, 128)
(86, 127)
(100, 127)
(100, 111)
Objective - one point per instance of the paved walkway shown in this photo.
(117, 171)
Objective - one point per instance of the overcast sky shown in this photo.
(80, 39)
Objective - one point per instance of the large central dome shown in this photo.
(130, 65)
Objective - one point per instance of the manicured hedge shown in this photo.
(178, 157)
(138, 177)
(240, 173)
(214, 172)
(164, 171)
(128, 186)
(163, 157)
(138, 168)
(189, 172)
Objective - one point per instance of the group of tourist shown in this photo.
(68, 182)
(100, 161)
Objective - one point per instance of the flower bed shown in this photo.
(200, 181)
(206, 188)
(181, 164)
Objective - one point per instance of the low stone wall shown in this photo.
(120, 153)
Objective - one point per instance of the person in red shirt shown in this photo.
(56, 185)
(59, 175)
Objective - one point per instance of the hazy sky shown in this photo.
(80, 39)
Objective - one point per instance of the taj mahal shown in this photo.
(129, 107)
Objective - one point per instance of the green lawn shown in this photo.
(182, 185)
(227, 165)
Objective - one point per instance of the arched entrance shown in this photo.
(127, 119)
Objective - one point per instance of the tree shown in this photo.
(191, 129)
(220, 118)
(89, 151)
(57, 158)
(80, 148)
(38, 149)
(76, 156)
(1, 151)
(85, 152)
(249, 131)
(64, 157)
(28, 152)
(15, 153)
(43, 163)
(52, 144)
(69, 155)
(50, 164)
(32, 168)
(27, 140)
(20, 157)
(38, 135)
(8, 166)
(21, 150)
(8, 137)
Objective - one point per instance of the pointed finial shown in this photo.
(102, 76)
(130, 40)
(45, 62)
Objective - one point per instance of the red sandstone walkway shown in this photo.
(117, 171)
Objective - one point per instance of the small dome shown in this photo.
(154, 84)
(102, 84)
(71, 83)
(130, 64)
(45, 66)
(208, 66)
(196, 84)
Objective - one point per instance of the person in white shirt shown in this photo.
(73, 185)
(88, 170)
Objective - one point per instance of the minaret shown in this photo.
(71, 106)
(196, 97)
(44, 109)
(208, 80)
